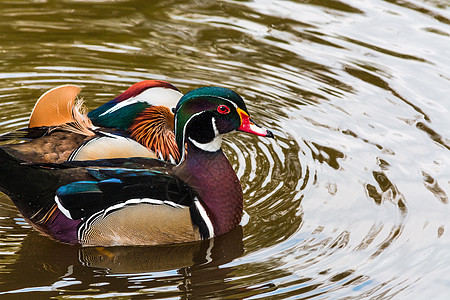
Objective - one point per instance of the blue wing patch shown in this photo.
(117, 185)
(121, 118)
(103, 174)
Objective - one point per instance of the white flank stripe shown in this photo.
(205, 217)
(132, 201)
(140, 201)
(62, 208)
(87, 224)
(149, 201)
(173, 204)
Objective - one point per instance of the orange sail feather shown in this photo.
(60, 107)
(54, 107)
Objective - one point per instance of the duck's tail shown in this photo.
(29, 187)
(32, 189)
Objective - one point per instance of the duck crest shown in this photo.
(122, 110)
(141, 86)
(195, 113)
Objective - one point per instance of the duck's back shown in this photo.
(53, 148)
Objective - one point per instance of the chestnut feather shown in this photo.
(154, 128)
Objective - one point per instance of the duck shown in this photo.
(137, 123)
(141, 200)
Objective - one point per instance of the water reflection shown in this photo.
(349, 201)
(195, 264)
(208, 254)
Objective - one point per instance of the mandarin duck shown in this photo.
(141, 201)
(137, 123)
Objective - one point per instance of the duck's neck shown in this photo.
(215, 181)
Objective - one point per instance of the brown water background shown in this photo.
(350, 201)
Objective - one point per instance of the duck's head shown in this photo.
(203, 115)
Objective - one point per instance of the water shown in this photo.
(349, 201)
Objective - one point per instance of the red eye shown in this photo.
(223, 109)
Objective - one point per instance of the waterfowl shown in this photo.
(142, 201)
(137, 123)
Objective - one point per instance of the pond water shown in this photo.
(349, 201)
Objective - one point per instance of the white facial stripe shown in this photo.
(215, 144)
(225, 99)
(216, 140)
(213, 121)
(212, 146)
(152, 96)
(183, 152)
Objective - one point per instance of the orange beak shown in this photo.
(247, 125)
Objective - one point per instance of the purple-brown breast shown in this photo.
(215, 181)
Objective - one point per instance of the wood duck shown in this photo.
(137, 123)
(141, 201)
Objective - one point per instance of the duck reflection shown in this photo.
(127, 259)
(67, 268)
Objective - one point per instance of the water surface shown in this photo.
(349, 201)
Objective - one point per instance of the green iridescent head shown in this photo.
(205, 113)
